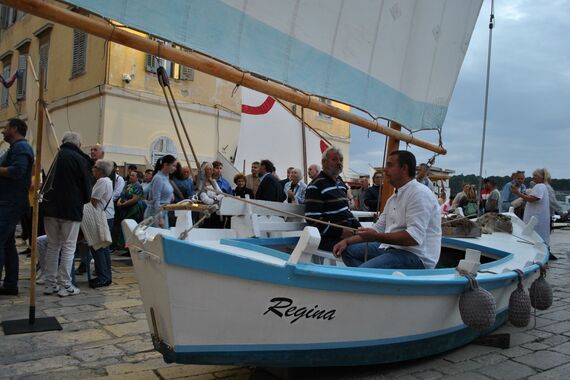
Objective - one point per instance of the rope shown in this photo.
(238, 84)
(108, 39)
(291, 214)
(491, 25)
(184, 234)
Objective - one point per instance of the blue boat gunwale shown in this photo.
(415, 282)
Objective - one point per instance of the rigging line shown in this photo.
(292, 214)
(159, 74)
(184, 129)
(491, 26)
(318, 133)
(107, 40)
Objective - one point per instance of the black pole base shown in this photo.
(23, 326)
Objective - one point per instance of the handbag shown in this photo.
(95, 227)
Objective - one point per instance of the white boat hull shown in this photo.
(232, 301)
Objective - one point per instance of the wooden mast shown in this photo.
(36, 195)
(205, 64)
(393, 144)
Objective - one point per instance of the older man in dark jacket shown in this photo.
(15, 180)
(68, 190)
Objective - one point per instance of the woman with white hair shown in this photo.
(208, 189)
(555, 206)
(295, 188)
(209, 193)
(538, 204)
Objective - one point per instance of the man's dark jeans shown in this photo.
(8, 254)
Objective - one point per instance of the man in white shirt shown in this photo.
(409, 229)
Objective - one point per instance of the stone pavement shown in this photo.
(105, 334)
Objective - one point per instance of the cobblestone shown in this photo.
(105, 334)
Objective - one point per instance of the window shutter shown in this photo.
(22, 71)
(13, 16)
(79, 53)
(44, 54)
(186, 73)
(150, 63)
(5, 91)
(4, 17)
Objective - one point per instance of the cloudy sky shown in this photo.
(529, 103)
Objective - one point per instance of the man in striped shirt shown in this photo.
(326, 199)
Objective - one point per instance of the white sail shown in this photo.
(269, 131)
(398, 59)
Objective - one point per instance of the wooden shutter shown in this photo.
(4, 11)
(22, 72)
(150, 63)
(5, 91)
(79, 53)
(186, 73)
(44, 60)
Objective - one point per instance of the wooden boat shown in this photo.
(252, 294)
(225, 297)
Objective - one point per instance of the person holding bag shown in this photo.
(101, 197)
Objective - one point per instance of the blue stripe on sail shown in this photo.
(214, 28)
(371, 281)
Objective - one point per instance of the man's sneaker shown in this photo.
(40, 277)
(68, 291)
(51, 289)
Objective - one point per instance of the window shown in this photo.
(43, 35)
(22, 72)
(79, 55)
(8, 16)
(324, 116)
(161, 147)
(186, 73)
(153, 62)
(4, 16)
(174, 71)
(5, 91)
(44, 60)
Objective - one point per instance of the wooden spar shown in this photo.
(204, 64)
(387, 188)
(46, 111)
(304, 139)
(35, 202)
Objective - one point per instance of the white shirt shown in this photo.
(414, 209)
(103, 191)
(119, 186)
(540, 209)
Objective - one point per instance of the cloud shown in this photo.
(528, 118)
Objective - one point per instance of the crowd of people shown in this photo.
(85, 199)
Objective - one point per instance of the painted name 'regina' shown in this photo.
(283, 308)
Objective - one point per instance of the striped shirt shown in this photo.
(326, 199)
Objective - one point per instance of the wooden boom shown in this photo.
(204, 64)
